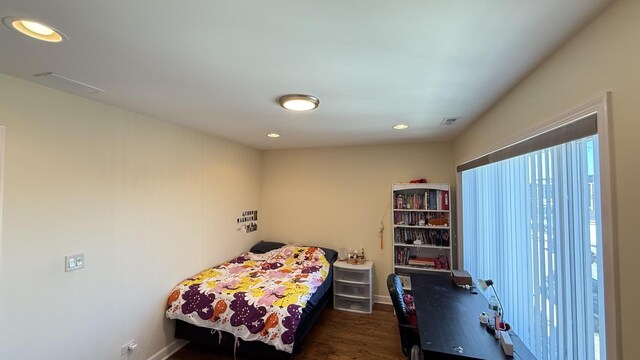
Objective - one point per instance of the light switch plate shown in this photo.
(73, 262)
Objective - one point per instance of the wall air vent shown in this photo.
(448, 121)
(65, 84)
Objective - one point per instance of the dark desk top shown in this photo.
(448, 317)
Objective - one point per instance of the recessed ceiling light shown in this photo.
(299, 102)
(273, 135)
(400, 126)
(34, 29)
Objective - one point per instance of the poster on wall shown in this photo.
(248, 221)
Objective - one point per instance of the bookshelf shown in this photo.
(421, 222)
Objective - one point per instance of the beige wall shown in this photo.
(336, 196)
(604, 56)
(148, 202)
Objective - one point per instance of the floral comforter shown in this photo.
(254, 296)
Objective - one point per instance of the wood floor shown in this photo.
(338, 335)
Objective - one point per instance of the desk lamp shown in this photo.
(488, 283)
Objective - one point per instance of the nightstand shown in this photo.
(353, 287)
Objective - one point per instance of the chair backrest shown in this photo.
(396, 292)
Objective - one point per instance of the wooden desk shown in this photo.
(448, 318)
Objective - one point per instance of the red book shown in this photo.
(445, 200)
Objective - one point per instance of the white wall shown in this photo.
(336, 196)
(604, 56)
(148, 202)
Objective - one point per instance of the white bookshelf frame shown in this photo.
(430, 250)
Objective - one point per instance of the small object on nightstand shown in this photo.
(351, 257)
(360, 259)
(342, 254)
(356, 258)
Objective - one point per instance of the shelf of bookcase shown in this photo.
(420, 210)
(422, 246)
(421, 227)
(418, 268)
(422, 186)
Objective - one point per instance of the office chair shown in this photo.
(409, 337)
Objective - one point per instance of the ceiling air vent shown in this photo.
(448, 121)
(64, 83)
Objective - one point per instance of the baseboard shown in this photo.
(169, 350)
(382, 299)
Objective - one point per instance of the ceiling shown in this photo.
(219, 66)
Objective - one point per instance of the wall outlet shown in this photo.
(73, 262)
(124, 349)
(129, 346)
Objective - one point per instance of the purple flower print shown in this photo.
(239, 260)
(248, 315)
(272, 266)
(196, 301)
(315, 282)
(310, 269)
(291, 324)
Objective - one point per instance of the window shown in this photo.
(532, 224)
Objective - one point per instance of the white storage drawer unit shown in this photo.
(353, 287)
(352, 304)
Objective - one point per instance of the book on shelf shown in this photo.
(438, 238)
(421, 261)
(409, 236)
(439, 263)
(409, 218)
(433, 199)
(402, 256)
(398, 218)
(445, 200)
(436, 200)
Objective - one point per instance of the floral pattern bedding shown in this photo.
(254, 296)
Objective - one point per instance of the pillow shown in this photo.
(330, 254)
(265, 246)
(296, 252)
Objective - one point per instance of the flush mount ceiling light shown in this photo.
(34, 29)
(400, 126)
(273, 135)
(299, 102)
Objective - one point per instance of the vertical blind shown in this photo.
(532, 224)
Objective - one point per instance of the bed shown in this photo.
(263, 302)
